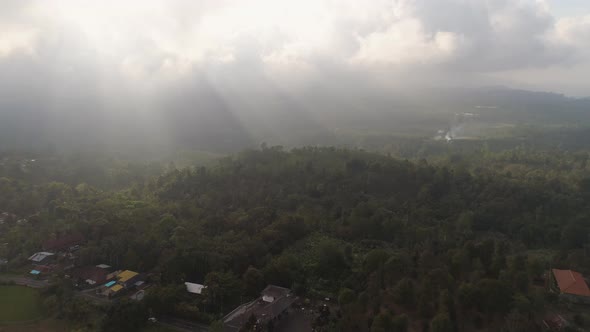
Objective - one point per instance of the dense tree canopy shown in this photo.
(445, 244)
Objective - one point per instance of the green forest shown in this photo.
(440, 237)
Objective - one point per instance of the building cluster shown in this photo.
(269, 308)
(59, 254)
(124, 282)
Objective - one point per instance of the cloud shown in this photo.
(575, 33)
(160, 36)
(117, 55)
(405, 42)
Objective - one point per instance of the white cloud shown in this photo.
(164, 39)
(14, 38)
(406, 42)
(574, 32)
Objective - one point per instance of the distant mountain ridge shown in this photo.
(206, 119)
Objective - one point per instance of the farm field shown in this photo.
(19, 305)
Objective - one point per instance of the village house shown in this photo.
(129, 279)
(273, 303)
(92, 275)
(42, 258)
(194, 288)
(41, 269)
(125, 280)
(570, 285)
(43, 262)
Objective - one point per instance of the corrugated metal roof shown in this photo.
(110, 283)
(39, 256)
(126, 275)
(116, 288)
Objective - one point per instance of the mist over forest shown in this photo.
(203, 119)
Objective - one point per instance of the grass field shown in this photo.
(19, 304)
(47, 325)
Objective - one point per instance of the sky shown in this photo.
(133, 56)
(564, 8)
(529, 43)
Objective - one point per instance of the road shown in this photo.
(24, 281)
(182, 325)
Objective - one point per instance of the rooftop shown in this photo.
(264, 311)
(92, 273)
(275, 291)
(571, 282)
(116, 288)
(40, 256)
(126, 275)
(194, 288)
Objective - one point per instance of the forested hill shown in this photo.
(358, 195)
(396, 242)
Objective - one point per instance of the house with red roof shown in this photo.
(571, 285)
(91, 275)
(64, 242)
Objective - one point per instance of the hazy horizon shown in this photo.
(226, 70)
